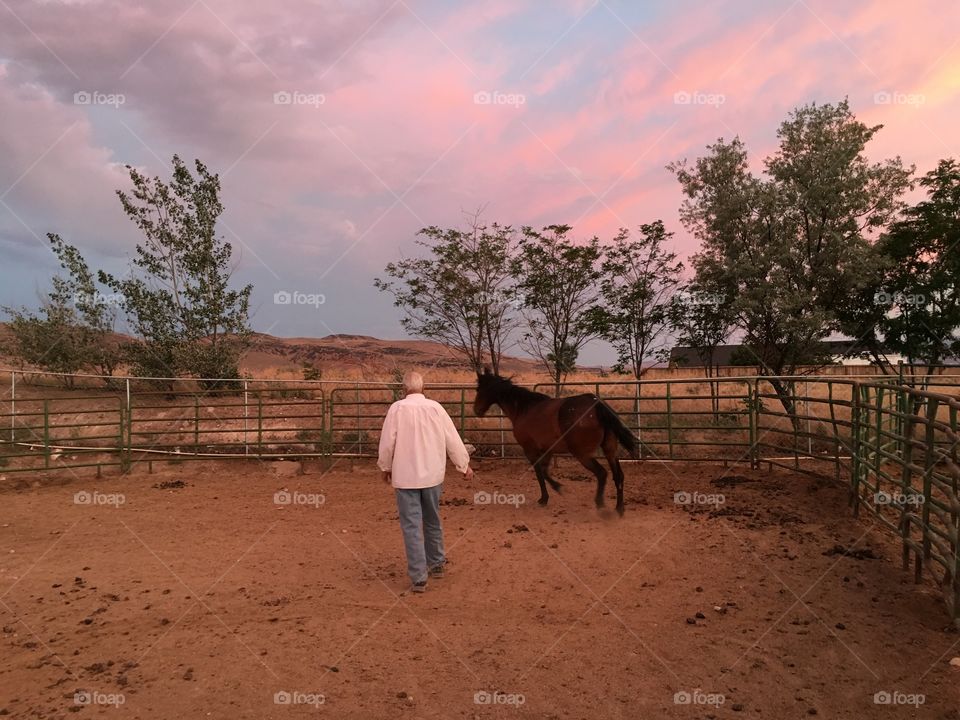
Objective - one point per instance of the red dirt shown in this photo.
(206, 600)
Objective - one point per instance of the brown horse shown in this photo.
(544, 426)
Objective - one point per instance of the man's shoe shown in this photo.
(437, 571)
(419, 587)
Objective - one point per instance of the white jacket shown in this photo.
(417, 436)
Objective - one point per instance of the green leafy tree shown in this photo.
(461, 293)
(566, 360)
(178, 296)
(72, 330)
(558, 283)
(911, 305)
(789, 248)
(638, 279)
(702, 321)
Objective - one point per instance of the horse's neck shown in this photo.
(512, 409)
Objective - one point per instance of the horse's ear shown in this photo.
(486, 370)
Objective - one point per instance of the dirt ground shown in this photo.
(195, 591)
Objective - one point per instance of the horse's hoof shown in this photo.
(620, 510)
(599, 503)
(542, 501)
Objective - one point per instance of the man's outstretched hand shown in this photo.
(387, 476)
(468, 475)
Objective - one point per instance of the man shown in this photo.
(417, 436)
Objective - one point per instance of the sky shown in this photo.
(339, 129)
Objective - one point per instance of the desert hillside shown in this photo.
(334, 355)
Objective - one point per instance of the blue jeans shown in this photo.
(419, 511)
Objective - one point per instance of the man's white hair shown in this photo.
(413, 382)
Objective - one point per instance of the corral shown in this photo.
(745, 584)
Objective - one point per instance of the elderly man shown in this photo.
(417, 436)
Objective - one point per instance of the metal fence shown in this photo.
(894, 446)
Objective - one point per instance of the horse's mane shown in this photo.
(519, 398)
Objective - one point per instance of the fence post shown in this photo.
(196, 425)
(259, 426)
(669, 424)
(46, 433)
(753, 415)
(463, 411)
(955, 602)
(246, 444)
(855, 444)
(13, 406)
(359, 422)
(928, 466)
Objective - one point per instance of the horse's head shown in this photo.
(487, 383)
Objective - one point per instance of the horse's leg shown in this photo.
(610, 452)
(537, 463)
(545, 463)
(591, 464)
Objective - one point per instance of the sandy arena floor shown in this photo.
(211, 600)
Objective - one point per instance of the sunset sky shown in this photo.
(341, 128)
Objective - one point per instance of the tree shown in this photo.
(638, 279)
(911, 306)
(790, 247)
(178, 297)
(461, 293)
(702, 321)
(71, 332)
(557, 281)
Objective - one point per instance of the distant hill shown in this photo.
(269, 355)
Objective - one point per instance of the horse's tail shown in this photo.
(611, 422)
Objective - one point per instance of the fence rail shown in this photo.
(893, 445)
